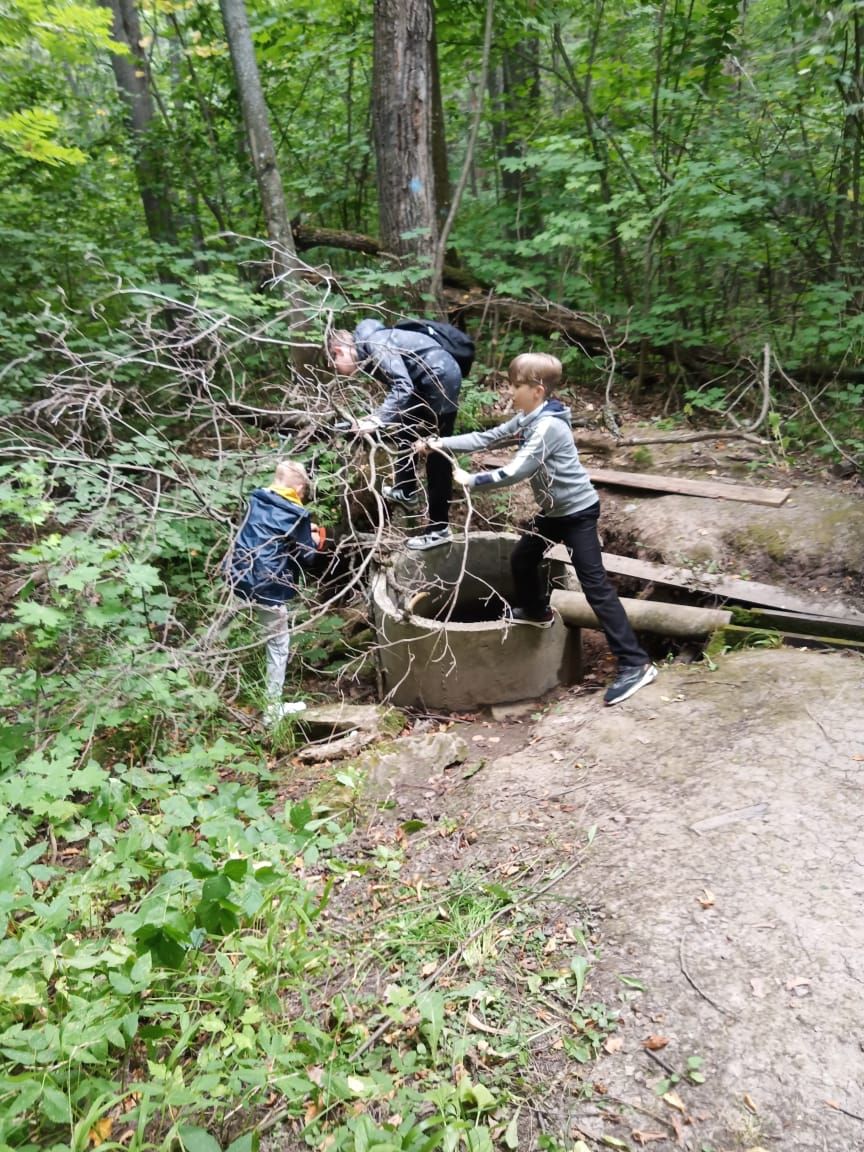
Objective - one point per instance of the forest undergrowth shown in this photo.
(187, 959)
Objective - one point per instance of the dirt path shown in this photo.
(746, 937)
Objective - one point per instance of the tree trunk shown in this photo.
(439, 137)
(257, 122)
(514, 87)
(402, 99)
(132, 75)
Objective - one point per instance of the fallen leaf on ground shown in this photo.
(749, 1104)
(312, 1110)
(675, 1101)
(655, 1043)
(647, 1137)
(100, 1131)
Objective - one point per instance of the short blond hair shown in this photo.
(291, 474)
(538, 368)
(338, 338)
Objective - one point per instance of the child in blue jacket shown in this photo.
(275, 543)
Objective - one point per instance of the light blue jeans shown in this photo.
(276, 623)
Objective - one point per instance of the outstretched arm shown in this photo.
(528, 460)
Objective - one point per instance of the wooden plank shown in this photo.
(726, 587)
(848, 628)
(684, 486)
(749, 637)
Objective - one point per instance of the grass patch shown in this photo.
(184, 965)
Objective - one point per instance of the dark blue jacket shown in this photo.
(273, 546)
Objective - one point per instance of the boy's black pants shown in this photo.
(579, 536)
(416, 423)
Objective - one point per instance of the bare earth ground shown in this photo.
(725, 881)
(747, 938)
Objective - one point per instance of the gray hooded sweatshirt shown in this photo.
(547, 457)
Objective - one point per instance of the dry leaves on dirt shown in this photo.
(655, 1043)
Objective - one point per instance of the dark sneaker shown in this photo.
(430, 540)
(394, 495)
(544, 619)
(628, 681)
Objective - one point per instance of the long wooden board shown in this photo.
(726, 587)
(684, 486)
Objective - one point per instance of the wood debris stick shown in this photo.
(685, 486)
(712, 822)
(686, 974)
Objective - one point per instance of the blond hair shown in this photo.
(336, 338)
(291, 474)
(537, 368)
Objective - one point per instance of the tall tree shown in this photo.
(256, 119)
(402, 115)
(132, 74)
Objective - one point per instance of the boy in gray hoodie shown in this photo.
(569, 509)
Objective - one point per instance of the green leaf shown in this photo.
(236, 868)
(511, 1133)
(409, 826)
(632, 982)
(248, 1142)
(430, 1005)
(479, 1139)
(141, 969)
(579, 966)
(143, 576)
(197, 1139)
(38, 615)
(54, 1105)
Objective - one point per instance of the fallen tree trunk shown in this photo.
(306, 238)
(542, 317)
(677, 620)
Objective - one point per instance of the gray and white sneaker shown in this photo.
(396, 495)
(430, 540)
(278, 711)
(628, 681)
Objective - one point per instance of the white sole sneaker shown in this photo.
(628, 682)
(396, 496)
(273, 713)
(430, 540)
